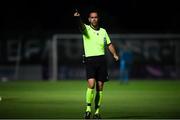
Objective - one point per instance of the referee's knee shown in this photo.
(91, 83)
(91, 86)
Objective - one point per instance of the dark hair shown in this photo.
(94, 11)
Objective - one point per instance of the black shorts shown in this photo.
(96, 67)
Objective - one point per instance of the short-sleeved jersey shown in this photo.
(94, 41)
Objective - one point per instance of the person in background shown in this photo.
(125, 63)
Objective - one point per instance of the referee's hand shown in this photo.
(116, 57)
(76, 14)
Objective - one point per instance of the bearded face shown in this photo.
(94, 19)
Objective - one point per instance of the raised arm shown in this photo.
(79, 21)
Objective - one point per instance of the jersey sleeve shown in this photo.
(107, 38)
(85, 30)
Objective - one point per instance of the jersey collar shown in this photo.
(94, 28)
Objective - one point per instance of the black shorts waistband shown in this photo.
(96, 57)
(100, 56)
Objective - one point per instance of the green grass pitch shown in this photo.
(66, 99)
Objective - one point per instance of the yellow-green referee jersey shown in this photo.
(94, 41)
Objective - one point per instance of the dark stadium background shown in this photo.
(135, 16)
(40, 20)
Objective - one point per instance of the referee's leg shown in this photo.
(89, 97)
(98, 98)
(102, 77)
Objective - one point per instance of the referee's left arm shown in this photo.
(113, 51)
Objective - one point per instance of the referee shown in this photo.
(95, 39)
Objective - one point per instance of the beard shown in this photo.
(95, 23)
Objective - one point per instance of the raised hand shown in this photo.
(76, 14)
